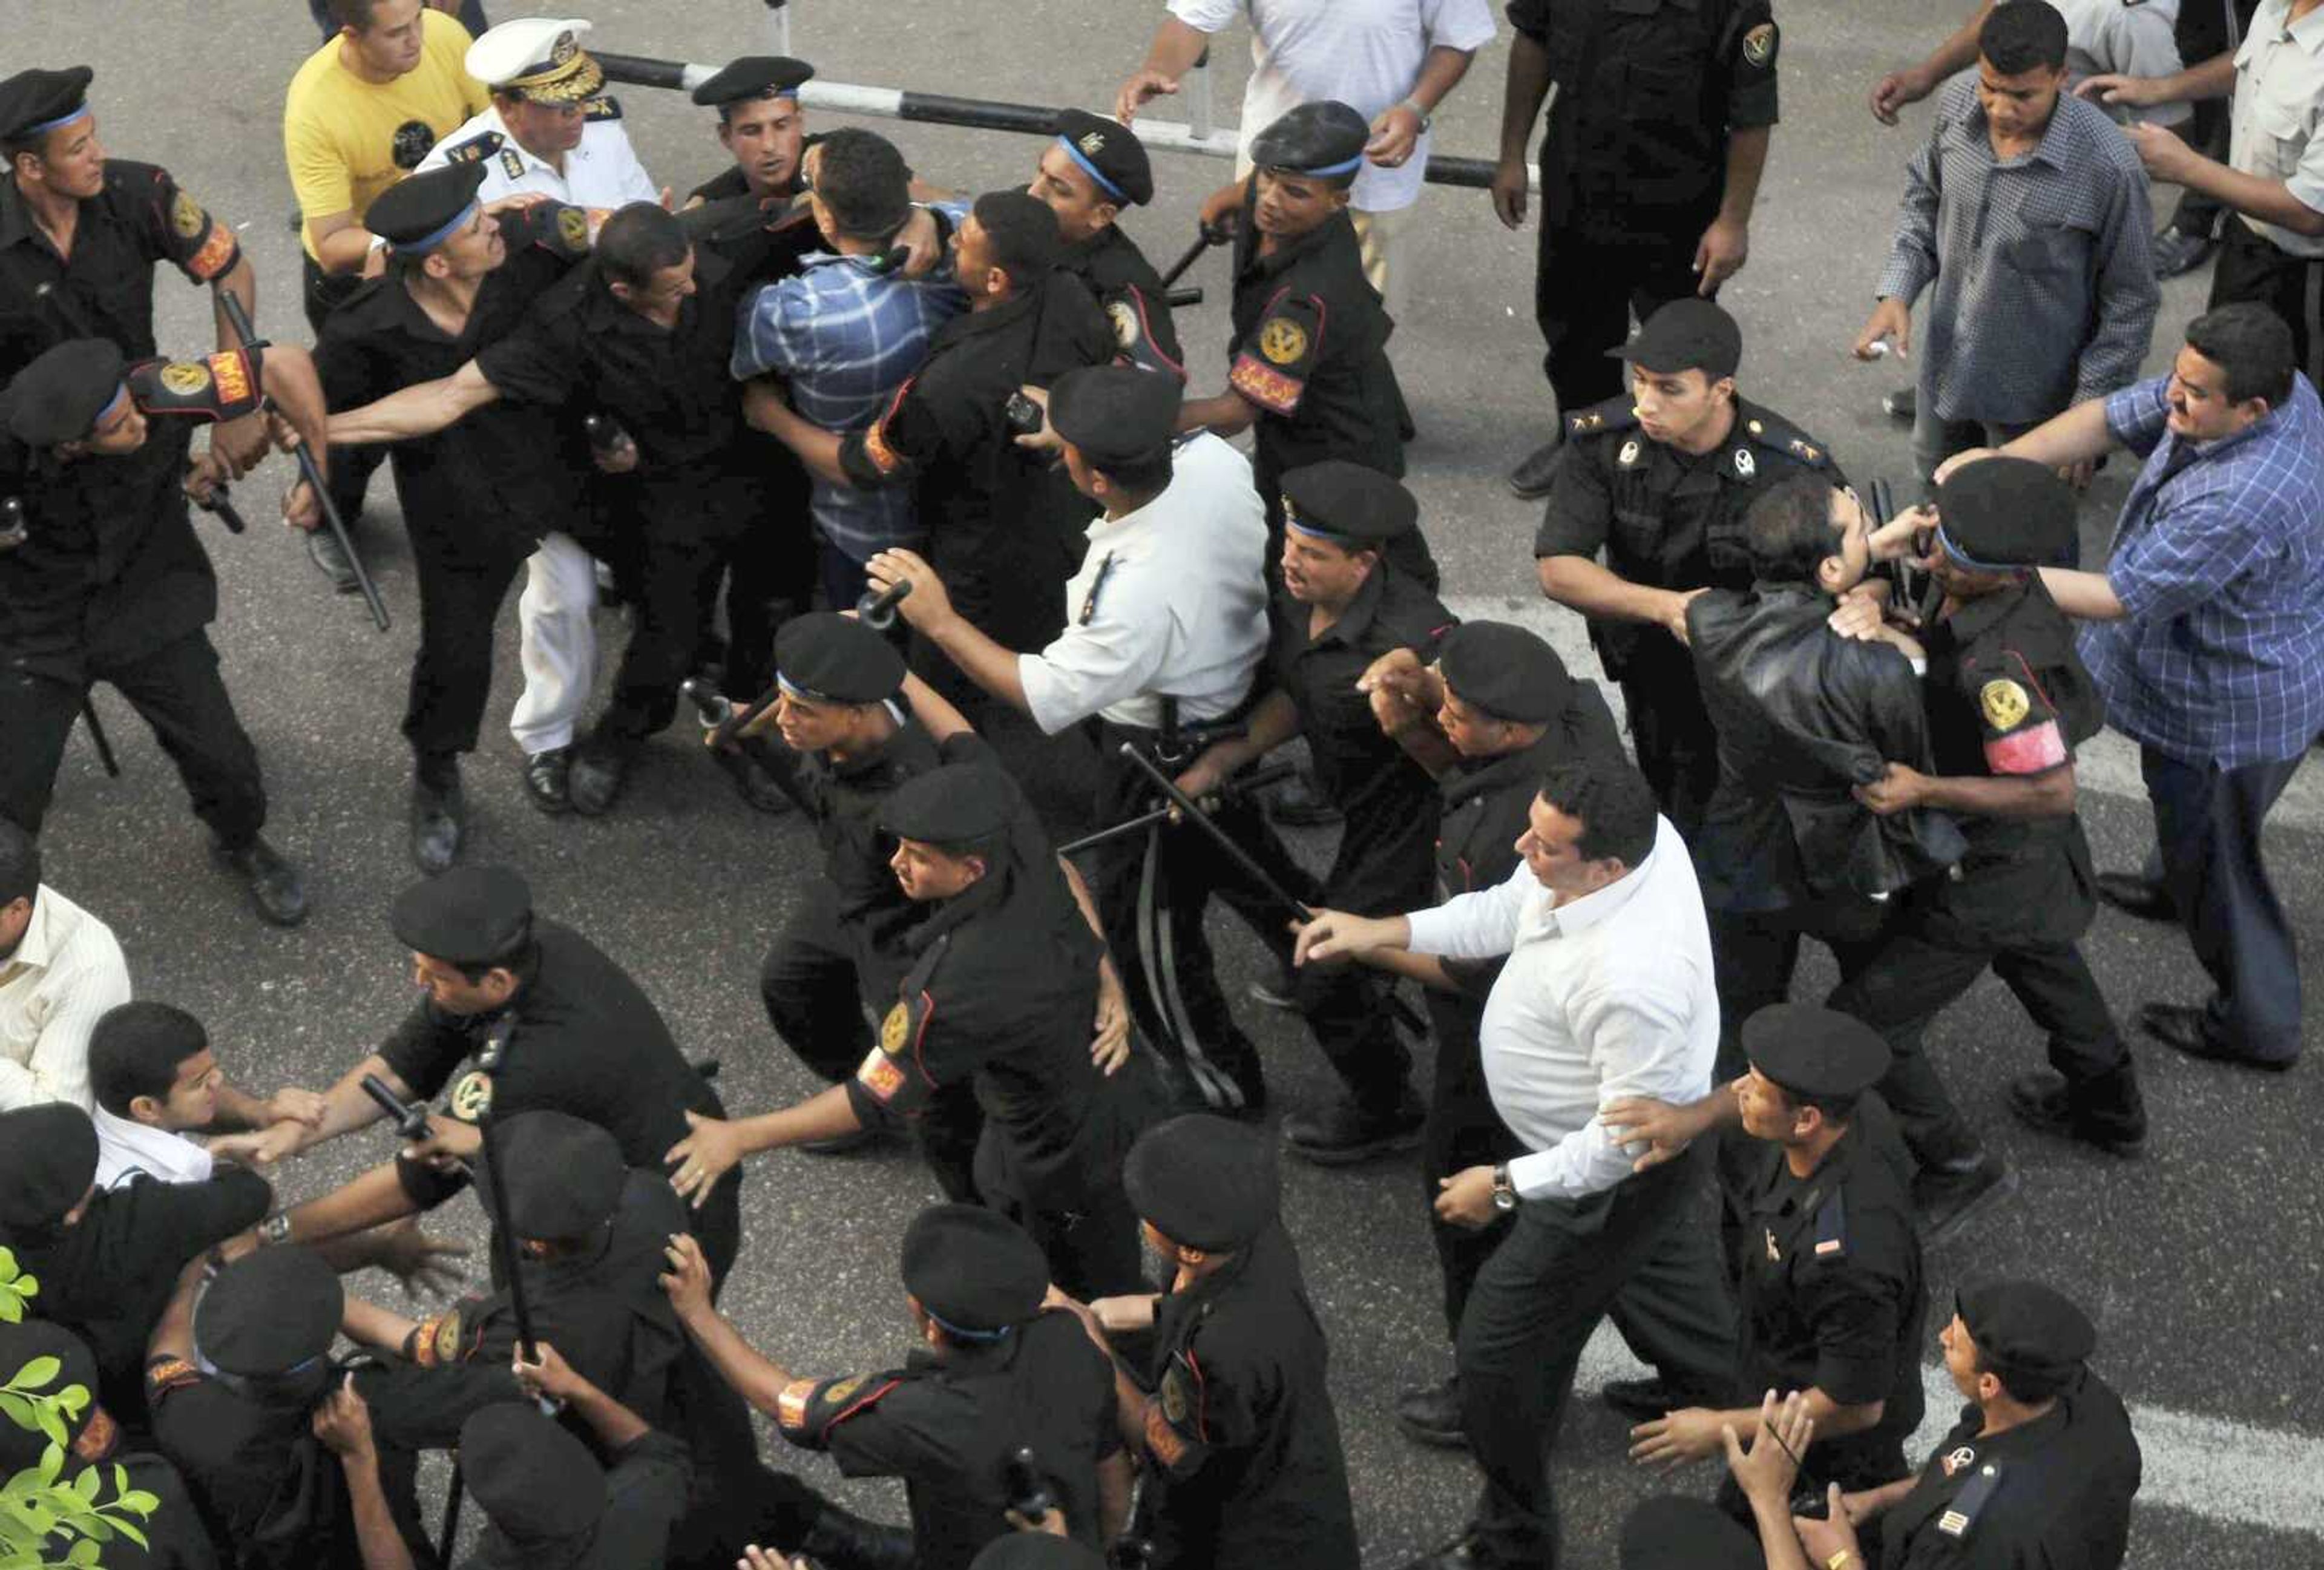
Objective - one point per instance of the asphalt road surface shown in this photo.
(2204, 1263)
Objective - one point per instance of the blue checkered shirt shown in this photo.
(2219, 561)
(2044, 282)
(844, 337)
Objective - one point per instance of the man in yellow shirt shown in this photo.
(361, 113)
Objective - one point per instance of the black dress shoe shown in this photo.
(1433, 1415)
(848, 1542)
(2185, 1030)
(1532, 479)
(1904, 404)
(323, 549)
(1461, 1553)
(2042, 1100)
(439, 815)
(546, 778)
(599, 768)
(753, 783)
(1948, 1197)
(276, 887)
(1296, 803)
(1343, 1134)
(2134, 895)
(2175, 251)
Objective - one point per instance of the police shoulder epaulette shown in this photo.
(1775, 435)
(606, 108)
(1614, 414)
(1831, 1228)
(1960, 1518)
(482, 145)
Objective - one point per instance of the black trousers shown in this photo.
(1585, 290)
(452, 672)
(351, 466)
(2254, 269)
(2201, 31)
(677, 583)
(1671, 732)
(1754, 953)
(178, 691)
(1563, 1268)
(1462, 1130)
(814, 999)
(2208, 823)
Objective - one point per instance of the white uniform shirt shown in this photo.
(602, 171)
(1607, 997)
(67, 971)
(1366, 53)
(2279, 101)
(127, 1149)
(1170, 599)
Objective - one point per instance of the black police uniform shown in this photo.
(1634, 163)
(1001, 993)
(542, 1507)
(741, 81)
(1666, 519)
(111, 584)
(477, 497)
(1116, 272)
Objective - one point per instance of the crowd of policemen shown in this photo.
(1046, 1028)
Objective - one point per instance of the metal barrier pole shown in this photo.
(778, 26)
(1197, 96)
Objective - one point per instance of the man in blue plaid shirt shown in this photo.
(847, 334)
(2207, 642)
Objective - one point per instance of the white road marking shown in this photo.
(2107, 764)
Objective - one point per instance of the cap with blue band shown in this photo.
(429, 242)
(45, 126)
(1091, 170)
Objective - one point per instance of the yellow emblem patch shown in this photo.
(184, 377)
(1760, 45)
(1174, 1403)
(472, 1098)
(840, 1394)
(1282, 342)
(232, 373)
(573, 228)
(895, 1027)
(185, 216)
(790, 1406)
(2005, 703)
(1125, 324)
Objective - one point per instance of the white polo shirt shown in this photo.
(1607, 997)
(2279, 101)
(1170, 599)
(601, 172)
(67, 971)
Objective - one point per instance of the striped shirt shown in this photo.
(846, 337)
(2219, 561)
(2046, 291)
(62, 975)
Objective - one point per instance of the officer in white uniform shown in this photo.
(548, 131)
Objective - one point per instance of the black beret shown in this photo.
(1348, 503)
(468, 915)
(823, 656)
(1115, 414)
(1203, 1181)
(48, 1159)
(565, 1176)
(40, 98)
(1034, 1551)
(2025, 1327)
(1685, 1534)
(1686, 335)
(958, 804)
(1504, 671)
(537, 1482)
(1814, 1052)
(1323, 138)
(20, 1344)
(58, 396)
(2005, 511)
(754, 76)
(269, 1312)
(1110, 152)
(417, 212)
(974, 1269)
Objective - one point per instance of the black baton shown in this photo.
(877, 611)
(220, 507)
(1258, 780)
(409, 1118)
(1205, 238)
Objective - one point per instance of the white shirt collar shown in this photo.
(126, 1147)
(1599, 905)
(37, 949)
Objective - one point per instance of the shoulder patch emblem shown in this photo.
(472, 1098)
(1124, 318)
(895, 1027)
(1628, 455)
(185, 216)
(1282, 341)
(880, 1073)
(840, 1393)
(184, 377)
(1746, 466)
(790, 1406)
(477, 147)
(2004, 702)
(573, 228)
(1760, 45)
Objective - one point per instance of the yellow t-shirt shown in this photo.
(346, 140)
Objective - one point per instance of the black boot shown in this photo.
(276, 887)
(599, 767)
(439, 815)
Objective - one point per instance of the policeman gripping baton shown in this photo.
(220, 507)
(1028, 1490)
(877, 611)
(495, 1192)
(722, 717)
(312, 472)
(1249, 866)
(409, 1118)
(1205, 236)
(1258, 780)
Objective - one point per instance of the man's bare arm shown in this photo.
(420, 410)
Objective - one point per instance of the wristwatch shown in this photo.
(1423, 115)
(274, 1230)
(1505, 1193)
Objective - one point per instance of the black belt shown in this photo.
(1172, 742)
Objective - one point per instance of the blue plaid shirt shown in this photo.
(2219, 561)
(845, 336)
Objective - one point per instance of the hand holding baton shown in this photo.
(220, 507)
(876, 610)
(409, 1118)
(1243, 785)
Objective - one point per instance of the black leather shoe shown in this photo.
(1341, 1134)
(1433, 1415)
(1948, 1197)
(2183, 1030)
(439, 815)
(2042, 1101)
(1461, 1553)
(2175, 251)
(594, 781)
(2134, 895)
(1904, 404)
(546, 779)
(1297, 804)
(276, 887)
(751, 783)
(1530, 480)
(323, 550)
(844, 1541)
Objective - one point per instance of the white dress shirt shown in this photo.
(65, 972)
(1170, 599)
(1606, 997)
(127, 1149)
(602, 171)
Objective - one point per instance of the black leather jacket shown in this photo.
(1803, 716)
